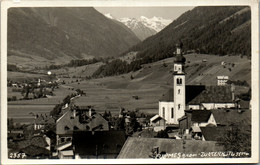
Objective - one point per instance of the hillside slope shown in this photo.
(152, 81)
(59, 34)
(210, 30)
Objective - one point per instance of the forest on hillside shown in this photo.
(207, 30)
(210, 30)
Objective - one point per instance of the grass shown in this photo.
(149, 84)
(21, 113)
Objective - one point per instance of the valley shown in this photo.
(148, 84)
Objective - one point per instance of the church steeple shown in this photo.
(179, 84)
(179, 61)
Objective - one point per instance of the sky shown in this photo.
(135, 12)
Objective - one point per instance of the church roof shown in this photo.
(214, 94)
(196, 94)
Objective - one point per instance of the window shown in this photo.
(179, 106)
(163, 112)
(179, 91)
(172, 113)
(179, 81)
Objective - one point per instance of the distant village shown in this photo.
(191, 120)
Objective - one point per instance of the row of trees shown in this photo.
(38, 92)
(117, 67)
(119, 123)
(238, 82)
(56, 111)
(76, 63)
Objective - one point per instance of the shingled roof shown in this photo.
(212, 133)
(37, 141)
(33, 151)
(228, 117)
(214, 94)
(98, 142)
(67, 123)
(196, 94)
(200, 116)
(136, 147)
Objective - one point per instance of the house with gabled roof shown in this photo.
(198, 119)
(158, 123)
(77, 118)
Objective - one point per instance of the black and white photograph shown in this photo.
(144, 82)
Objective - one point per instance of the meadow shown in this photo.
(140, 90)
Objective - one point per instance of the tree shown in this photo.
(120, 124)
(162, 134)
(236, 139)
(10, 123)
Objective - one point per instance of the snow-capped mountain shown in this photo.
(143, 27)
(156, 23)
(108, 15)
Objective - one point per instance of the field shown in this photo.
(19, 110)
(141, 92)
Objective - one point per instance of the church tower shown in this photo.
(179, 84)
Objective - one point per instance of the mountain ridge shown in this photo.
(200, 31)
(62, 34)
(143, 27)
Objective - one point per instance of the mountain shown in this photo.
(56, 35)
(143, 27)
(210, 30)
(156, 23)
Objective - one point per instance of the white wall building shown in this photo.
(222, 80)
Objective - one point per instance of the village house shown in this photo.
(76, 118)
(193, 122)
(158, 123)
(34, 147)
(222, 80)
(41, 121)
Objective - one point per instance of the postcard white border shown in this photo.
(5, 4)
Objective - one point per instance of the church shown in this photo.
(183, 97)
